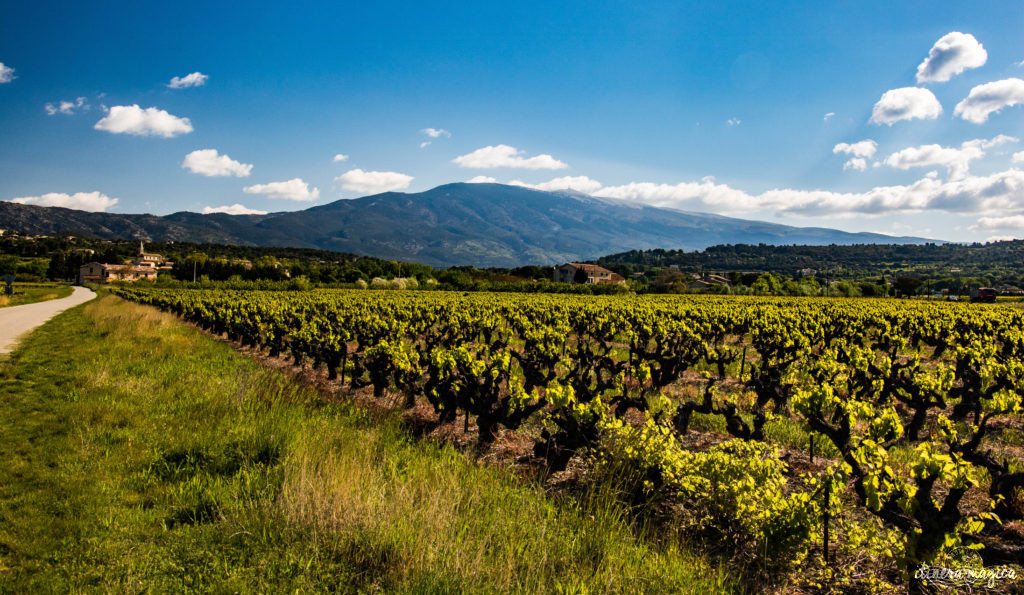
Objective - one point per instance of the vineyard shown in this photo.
(853, 440)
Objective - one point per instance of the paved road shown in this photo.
(15, 321)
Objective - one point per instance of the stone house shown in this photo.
(595, 274)
(95, 272)
(143, 266)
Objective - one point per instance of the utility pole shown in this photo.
(194, 263)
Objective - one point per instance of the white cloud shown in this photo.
(65, 107)
(907, 103)
(951, 55)
(82, 201)
(989, 98)
(956, 161)
(860, 151)
(829, 115)
(373, 182)
(435, 132)
(131, 119)
(1007, 223)
(424, 144)
(6, 73)
(706, 193)
(579, 183)
(482, 180)
(209, 163)
(733, 121)
(857, 163)
(998, 193)
(506, 156)
(235, 209)
(196, 79)
(999, 139)
(1018, 157)
(294, 189)
(864, 148)
(340, 157)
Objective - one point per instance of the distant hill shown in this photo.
(484, 225)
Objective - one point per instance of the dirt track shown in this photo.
(15, 321)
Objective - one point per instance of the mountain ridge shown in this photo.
(454, 224)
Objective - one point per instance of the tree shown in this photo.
(907, 285)
(8, 264)
(767, 284)
(580, 276)
(58, 265)
(670, 281)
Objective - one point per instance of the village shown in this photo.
(144, 266)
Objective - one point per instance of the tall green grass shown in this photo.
(139, 454)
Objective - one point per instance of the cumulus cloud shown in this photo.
(706, 193)
(435, 132)
(82, 201)
(6, 73)
(505, 156)
(999, 139)
(1018, 157)
(131, 119)
(209, 163)
(952, 54)
(907, 103)
(1007, 223)
(989, 98)
(294, 189)
(340, 157)
(235, 209)
(955, 160)
(579, 183)
(857, 163)
(859, 151)
(373, 182)
(65, 107)
(864, 148)
(482, 180)
(998, 193)
(196, 79)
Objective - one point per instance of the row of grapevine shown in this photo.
(913, 402)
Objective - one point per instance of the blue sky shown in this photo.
(704, 106)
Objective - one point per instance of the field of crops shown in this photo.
(862, 438)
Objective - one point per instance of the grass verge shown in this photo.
(139, 454)
(30, 294)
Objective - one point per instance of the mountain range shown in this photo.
(483, 225)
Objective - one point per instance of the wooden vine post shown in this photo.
(825, 518)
